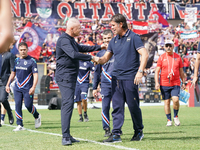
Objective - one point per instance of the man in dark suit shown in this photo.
(67, 67)
(7, 64)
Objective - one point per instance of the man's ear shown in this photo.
(121, 24)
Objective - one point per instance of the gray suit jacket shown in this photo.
(7, 65)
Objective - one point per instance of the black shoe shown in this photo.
(66, 141)
(73, 140)
(11, 118)
(113, 139)
(80, 120)
(138, 136)
(107, 132)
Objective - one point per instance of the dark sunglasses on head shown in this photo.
(166, 45)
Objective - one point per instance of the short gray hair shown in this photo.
(108, 31)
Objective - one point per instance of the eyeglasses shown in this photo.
(166, 45)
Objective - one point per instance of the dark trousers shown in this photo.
(4, 98)
(125, 91)
(106, 98)
(67, 90)
(19, 95)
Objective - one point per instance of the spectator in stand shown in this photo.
(182, 24)
(194, 46)
(196, 68)
(192, 63)
(182, 49)
(44, 52)
(176, 43)
(171, 1)
(196, 1)
(184, 2)
(186, 64)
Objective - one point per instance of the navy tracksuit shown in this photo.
(67, 67)
(24, 69)
(126, 64)
(104, 72)
(7, 60)
(82, 83)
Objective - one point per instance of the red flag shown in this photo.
(140, 27)
(161, 19)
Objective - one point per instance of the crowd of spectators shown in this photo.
(91, 35)
(182, 2)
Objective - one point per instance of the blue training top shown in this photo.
(125, 50)
(103, 72)
(84, 72)
(24, 69)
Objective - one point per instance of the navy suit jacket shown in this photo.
(68, 56)
(7, 65)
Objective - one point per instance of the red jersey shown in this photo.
(186, 63)
(170, 65)
(176, 42)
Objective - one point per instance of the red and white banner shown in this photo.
(140, 27)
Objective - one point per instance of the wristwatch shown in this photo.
(141, 71)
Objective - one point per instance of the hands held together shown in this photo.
(95, 59)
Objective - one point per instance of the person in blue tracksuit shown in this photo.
(67, 66)
(103, 73)
(82, 86)
(26, 72)
(127, 73)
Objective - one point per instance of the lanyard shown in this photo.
(170, 70)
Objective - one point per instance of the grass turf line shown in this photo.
(156, 134)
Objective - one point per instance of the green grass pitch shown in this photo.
(156, 135)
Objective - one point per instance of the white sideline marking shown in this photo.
(106, 144)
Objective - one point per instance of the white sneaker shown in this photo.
(19, 128)
(176, 121)
(169, 123)
(38, 122)
(2, 122)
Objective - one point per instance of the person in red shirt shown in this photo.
(176, 43)
(171, 66)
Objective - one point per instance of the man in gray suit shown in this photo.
(7, 64)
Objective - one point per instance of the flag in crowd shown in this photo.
(188, 34)
(34, 37)
(161, 19)
(140, 27)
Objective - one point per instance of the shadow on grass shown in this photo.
(162, 138)
(174, 138)
(173, 132)
(191, 125)
(43, 122)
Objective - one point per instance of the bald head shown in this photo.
(73, 27)
(72, 22)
